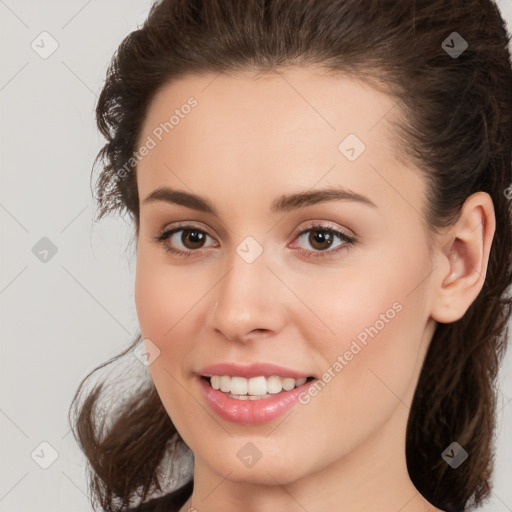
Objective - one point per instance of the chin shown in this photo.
(263, 472)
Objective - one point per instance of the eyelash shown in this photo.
(162, 238)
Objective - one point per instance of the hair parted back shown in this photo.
(455, 125)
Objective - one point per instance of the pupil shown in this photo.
(195, 236)
(321, 237)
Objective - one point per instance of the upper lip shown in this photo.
(250, 370)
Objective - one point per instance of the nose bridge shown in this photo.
(246, 299)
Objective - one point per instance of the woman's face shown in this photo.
(259, 285)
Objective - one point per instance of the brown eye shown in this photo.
(191, 240)
(320, 239)
(195, 236)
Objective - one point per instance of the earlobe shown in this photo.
(462, 264)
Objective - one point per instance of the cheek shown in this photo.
(166, 300)
(164, 295)
(162, 300)
(372, 325)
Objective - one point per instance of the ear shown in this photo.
(462, 257)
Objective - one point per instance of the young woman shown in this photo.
(321, 207)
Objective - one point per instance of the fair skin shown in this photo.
(246, 143)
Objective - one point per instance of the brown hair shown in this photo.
(456, 126)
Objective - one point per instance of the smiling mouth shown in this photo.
(254, 388)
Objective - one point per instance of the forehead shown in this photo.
(306, 102)
(282, 129)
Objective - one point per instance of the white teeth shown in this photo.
(255, 387)
(274, 384)
(238, 386)
(225, 384)
(288, 383)
(215, 382)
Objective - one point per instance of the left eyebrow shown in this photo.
(284, 203)
(312, 197)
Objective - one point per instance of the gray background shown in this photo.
(61, 318)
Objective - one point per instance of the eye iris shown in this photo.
(195, 236)
(319, 237)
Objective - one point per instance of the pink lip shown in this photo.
(250, 370)
(250, 411)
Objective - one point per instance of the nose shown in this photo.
(248, 302)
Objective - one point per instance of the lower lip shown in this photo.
(251, 411)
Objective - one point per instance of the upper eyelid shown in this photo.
(325, 225)
(180, 227)
(313, 224)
